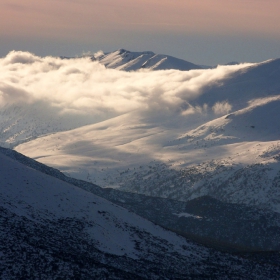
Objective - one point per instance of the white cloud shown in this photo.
(262, 101)
(20, 57)
(80, 87)
(222, 108)
(98, 54)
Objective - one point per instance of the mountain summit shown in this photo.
(131, 61)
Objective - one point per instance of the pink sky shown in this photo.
(158, 25)
(73, 18)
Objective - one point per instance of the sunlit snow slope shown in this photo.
(219, 138)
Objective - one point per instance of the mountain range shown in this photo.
(191, 149)
(224, 143)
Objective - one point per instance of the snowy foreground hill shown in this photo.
(224, 226)
(53, 230)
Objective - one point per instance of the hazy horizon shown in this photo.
(207, 32)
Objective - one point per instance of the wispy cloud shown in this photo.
(221, 108)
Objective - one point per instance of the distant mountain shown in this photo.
(132, 61)
(51, 229)
(259, 80)
(232, 63)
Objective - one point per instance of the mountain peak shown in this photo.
(126, 60)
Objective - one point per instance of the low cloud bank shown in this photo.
(80, 87)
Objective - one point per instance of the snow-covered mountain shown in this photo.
(51, 229)
(132, 61)
(169, 133)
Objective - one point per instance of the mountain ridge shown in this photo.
(132, 61)
(198, 219)
(51, 229)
